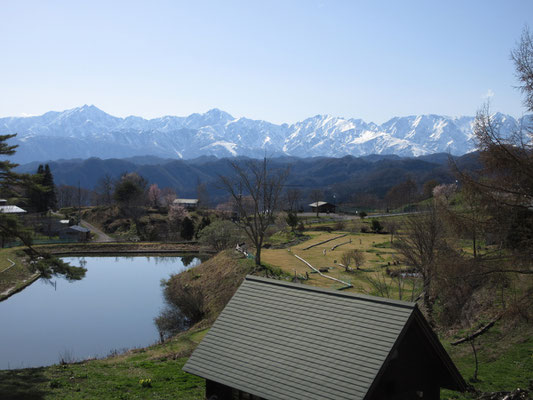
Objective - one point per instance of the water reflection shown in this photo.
(113, 307)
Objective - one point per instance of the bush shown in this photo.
(354, 226)
(339, 225)
(187, 229)
(376, 226)
(205, 222)
(170, 322)
(181, 299)
(364, 229)
(219, 235)
(292, 220)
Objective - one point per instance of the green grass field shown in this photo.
(505, 360)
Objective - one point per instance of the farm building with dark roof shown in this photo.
(323, 207)
(277, 340)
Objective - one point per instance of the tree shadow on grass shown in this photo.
(22, 384)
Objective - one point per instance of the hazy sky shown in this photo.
(280, 61)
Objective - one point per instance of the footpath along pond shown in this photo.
(110, 309)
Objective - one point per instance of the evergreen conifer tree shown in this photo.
(11, 227)
(49, 187)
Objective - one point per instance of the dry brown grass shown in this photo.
(217, 278)
(376, 258)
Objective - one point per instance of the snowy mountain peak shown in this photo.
(219, 114)
(87, 131)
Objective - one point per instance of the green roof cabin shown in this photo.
(277, 340)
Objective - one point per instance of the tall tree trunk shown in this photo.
(474, 244)
(475, 359)
(428, 302)
(258, 256)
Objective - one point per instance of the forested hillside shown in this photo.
(340, 177)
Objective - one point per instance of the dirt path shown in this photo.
(101, 237)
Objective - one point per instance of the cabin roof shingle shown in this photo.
(279, 340)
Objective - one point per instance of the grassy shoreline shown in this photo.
(19, 276)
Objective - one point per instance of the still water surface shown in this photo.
(112, 308)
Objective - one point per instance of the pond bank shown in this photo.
(20, 281)
(124, 248)
(18, 287)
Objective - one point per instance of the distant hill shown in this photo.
(341, 177)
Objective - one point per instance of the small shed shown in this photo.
(277, 340)
(189, 204)
(75, 233)
(323, 207)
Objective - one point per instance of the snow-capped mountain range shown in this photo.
(87, 131)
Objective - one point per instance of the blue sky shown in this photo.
(280, 61)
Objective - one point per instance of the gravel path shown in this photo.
(101, 237)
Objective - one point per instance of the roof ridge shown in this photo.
(364, 297)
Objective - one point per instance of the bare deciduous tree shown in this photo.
(168, 196)
(203, 195)
(470, 220)
(293, 199)
(66, 196)
(402, 194)
(316, 196)
(506, 181)
(154, 195)
(356, 256)
(391, 225)
(523, 60)
(255, 189)
(104, 188)
(420, 248)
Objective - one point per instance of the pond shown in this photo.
(111, 309)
